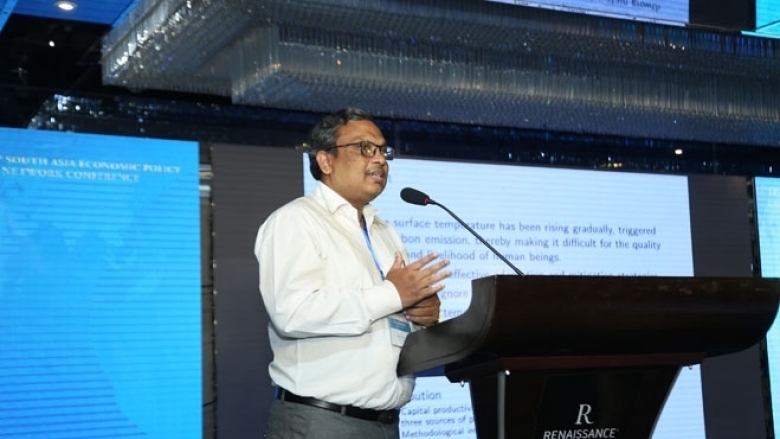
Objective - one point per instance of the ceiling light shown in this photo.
(65, 5)
(678, 151)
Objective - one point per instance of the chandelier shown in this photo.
(460, 61)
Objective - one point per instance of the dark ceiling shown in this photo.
(44, 52)
(31, 71)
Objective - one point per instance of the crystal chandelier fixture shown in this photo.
(460, 61)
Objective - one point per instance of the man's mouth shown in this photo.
(377, 175)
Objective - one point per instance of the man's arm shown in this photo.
(294, 282)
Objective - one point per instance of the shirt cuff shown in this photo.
(382, 300)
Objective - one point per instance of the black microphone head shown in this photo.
(413, 196)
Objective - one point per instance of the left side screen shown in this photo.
(100, 284)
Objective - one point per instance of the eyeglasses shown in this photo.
(369, 149)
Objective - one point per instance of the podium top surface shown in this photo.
(516, 316)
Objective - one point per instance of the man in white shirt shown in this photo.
(340, 293)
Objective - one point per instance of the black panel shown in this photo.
(248, 184)
(731, 384)
(730, 15)
(720, 227)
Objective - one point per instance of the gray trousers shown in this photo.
(288, 420)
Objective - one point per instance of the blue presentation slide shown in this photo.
(546, 221)
(656, 11)
(768, 16)
(100, 286)
(767, 192)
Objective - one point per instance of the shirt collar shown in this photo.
(335, 202)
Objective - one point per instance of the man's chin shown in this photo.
(377, 190)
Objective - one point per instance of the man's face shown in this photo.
(357, 178)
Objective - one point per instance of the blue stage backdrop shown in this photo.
(100, 287)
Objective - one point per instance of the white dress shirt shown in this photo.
(328, 303)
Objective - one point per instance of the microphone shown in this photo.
(413, 196)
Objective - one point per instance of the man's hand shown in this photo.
(418, 280)
(424, 312)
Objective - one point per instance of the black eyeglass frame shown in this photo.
(369, 149)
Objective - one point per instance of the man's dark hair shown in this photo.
(323, 135)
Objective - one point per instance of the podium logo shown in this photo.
(583, 429)
(585, 410)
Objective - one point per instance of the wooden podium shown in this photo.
(577, 357)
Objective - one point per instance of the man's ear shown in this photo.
(323, 159)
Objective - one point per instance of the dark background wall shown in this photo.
(734, 404)
(733, 15)
(248, 184)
